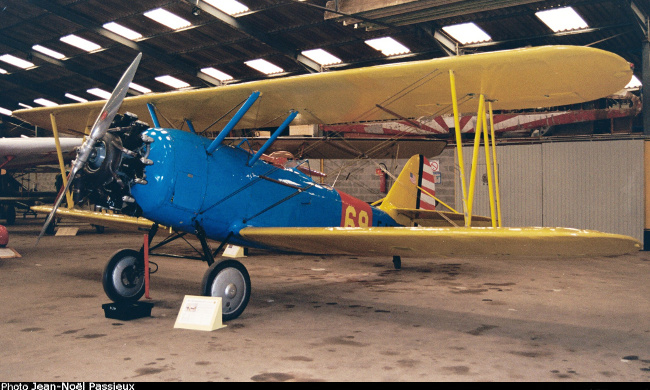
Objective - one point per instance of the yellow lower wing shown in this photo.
(96, 217)
(441, 242)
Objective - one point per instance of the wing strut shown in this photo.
(235, 119)
(275, 135)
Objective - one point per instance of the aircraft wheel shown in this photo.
(229, 280)
(123, 278)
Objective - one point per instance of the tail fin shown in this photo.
(413, 189)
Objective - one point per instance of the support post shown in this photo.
(496, 166)
(190, 125)
(146, 266)
(477, 142)
(459, 144)
(59, 155)
(274, 136)
(233, 122)
(154, 116)
(488, 168)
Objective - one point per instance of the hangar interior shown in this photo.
(582, 166)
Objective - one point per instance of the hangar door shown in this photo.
(588, 185)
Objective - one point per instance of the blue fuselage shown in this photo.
(223, 194)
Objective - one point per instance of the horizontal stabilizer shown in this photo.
(444, 242)
(431, 218)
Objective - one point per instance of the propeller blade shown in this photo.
(101, 125)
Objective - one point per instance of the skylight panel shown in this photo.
(217, 74)
(388, 46)
(99, 93)
(231, 7)
(322, 57)
(634, 83)
(75, 97)
(172, 81)
(15, 61)
(80, 43)
(562, 19)
(264, 66)
(466, 33)
(167, 18)
(123, 31)
(4, 111)
(139, 88)
(45, 102)
(48, 52)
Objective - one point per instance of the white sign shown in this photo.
(200, 313)
(435, 165)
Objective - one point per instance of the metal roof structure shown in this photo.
(278, 31)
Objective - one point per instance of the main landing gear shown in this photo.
(123, 277)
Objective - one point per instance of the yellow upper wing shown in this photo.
(523, 78)
(441, 242)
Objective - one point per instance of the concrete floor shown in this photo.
(314, 318)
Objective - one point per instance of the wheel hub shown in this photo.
(231, 291)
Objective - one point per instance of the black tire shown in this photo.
(123, 277)
(229, 280)
(51, 228)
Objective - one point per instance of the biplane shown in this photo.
(232, 192)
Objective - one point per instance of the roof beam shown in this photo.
(248, 29)
(141, 47)
(97, 76)
(20, 81)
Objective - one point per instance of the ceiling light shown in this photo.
(139, 88)
(45, 102)
(466, 33)
(23, 105)
(2, 71)
(217, 74)
(80, 42)
(562, 19)
(388, 46)
(15, 61)
(4, 111)
(167, 18)
(123, 31)
(100, 93)
(172, 81)
(48, 52)
(634, 83)
(264, 66)
(74, 97)
(321, 56)
(231, 7)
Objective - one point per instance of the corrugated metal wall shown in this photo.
(588, 185)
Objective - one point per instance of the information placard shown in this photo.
(200, 313)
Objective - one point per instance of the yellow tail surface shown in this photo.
(414, 189)
(411, 200)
